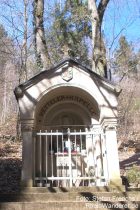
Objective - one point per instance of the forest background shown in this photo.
(101, 34)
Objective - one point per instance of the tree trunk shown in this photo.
(99, 63)
(4, 105)
(42, 54)
(25, 39)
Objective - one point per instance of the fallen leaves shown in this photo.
(10, 166)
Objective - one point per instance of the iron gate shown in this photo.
(68, 158)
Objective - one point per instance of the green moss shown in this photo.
(133, 174)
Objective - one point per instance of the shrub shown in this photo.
(133, 175)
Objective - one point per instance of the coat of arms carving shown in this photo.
(67, 73)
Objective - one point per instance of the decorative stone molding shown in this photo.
(27, 126)
(110, 127)
(69, 98)
(67, 73)
(18, 92)
(118, 90)
(109, 124)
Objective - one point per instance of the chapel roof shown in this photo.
(70, 61)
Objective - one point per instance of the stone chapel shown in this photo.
(68, 119)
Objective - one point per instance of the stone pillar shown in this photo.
(112, 156)
(27, 153)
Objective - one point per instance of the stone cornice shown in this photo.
(109, 123)
(27, 125)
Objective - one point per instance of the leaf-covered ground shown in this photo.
(10, 166)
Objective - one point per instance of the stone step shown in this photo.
(72, 189)
(38, 197)
(69, 196)
(63, 205)
(72, 199)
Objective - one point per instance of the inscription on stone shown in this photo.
(70, 98)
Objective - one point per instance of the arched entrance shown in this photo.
(66, 115)
(66, 106)
(65, 143)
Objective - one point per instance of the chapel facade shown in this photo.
(68, 120)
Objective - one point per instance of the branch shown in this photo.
(101, 8)
(116, 38)
(12, 23)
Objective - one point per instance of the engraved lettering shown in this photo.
(63, 98)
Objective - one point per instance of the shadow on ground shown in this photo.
(10, 175)
(133, 160)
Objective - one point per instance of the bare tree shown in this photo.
(41, 50)
(24, 46)
(99, 63)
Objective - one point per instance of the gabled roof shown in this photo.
(104, 81)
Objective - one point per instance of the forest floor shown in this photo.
(10, 166)
(11, 163)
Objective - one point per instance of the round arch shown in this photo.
(66, 105)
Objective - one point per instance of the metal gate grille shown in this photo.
(68, 158)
